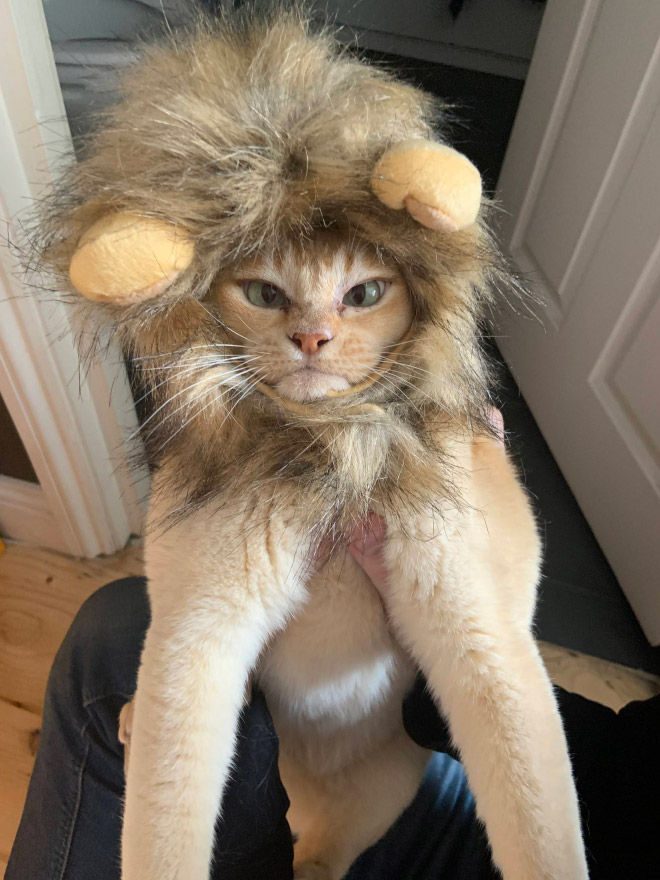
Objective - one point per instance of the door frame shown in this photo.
(75, 423)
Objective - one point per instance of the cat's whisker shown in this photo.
(258, 379)
(412, 380)
(158, 409)
(243, 321)
(199, 411)
(384, 377)
(418, 372)
(193, 367)
(227, 327)
(253, 384)
(187, 348)
(407, 366)
(409, 378)
(250, 387)
(398, 390)
(187, 403)
(168, 401)
(186, 422)
(434, 401)
(371, 368)
(153, 388)
(408, 341)
(202, 362)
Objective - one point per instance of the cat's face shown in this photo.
(316, 317)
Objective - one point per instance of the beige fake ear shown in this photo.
(438, 186)
(126, 258)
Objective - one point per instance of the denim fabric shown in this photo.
(71, 825)
(72, 818)
(70, 829)
(436, 838)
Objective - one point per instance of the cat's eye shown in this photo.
(265, 295)
(366, 294)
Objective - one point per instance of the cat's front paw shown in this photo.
(311, 870)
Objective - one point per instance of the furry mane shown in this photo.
(251, 131)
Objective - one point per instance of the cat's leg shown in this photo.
(214, 601)
(461, 601)
(336, 817)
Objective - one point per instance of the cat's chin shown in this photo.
(305, 385)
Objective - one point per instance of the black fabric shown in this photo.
(253, 834)
(616, 764)
(424, 723)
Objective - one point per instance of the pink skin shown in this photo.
(309, 343)
(366, 549)
(368, 536)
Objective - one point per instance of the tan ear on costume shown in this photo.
(438, 186)
(125, 258)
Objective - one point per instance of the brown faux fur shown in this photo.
(247, 133)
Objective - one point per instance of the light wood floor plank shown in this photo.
(19, 736)
(598, 680)
(40, 593)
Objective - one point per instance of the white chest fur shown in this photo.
(335, 677)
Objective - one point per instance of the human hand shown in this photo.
(366, 548)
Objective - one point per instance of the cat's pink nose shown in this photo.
(309, 343)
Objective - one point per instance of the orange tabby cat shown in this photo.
(336, 665)
(315, 318)
(308, 329)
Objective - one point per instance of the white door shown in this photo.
(73, 422)
(581, 185)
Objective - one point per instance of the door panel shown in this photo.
(585, 221)
(588, 138)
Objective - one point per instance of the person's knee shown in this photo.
(115, 612)
(101, 651)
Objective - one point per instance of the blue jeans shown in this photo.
(70, 829)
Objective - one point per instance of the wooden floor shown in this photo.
(40, 592)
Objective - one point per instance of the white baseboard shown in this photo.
(25, 515)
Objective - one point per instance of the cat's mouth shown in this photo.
(309, 383)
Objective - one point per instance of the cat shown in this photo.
(317, 363)
(315, 317)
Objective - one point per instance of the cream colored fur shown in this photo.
(334, 672)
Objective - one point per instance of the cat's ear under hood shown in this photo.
(125, 258)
